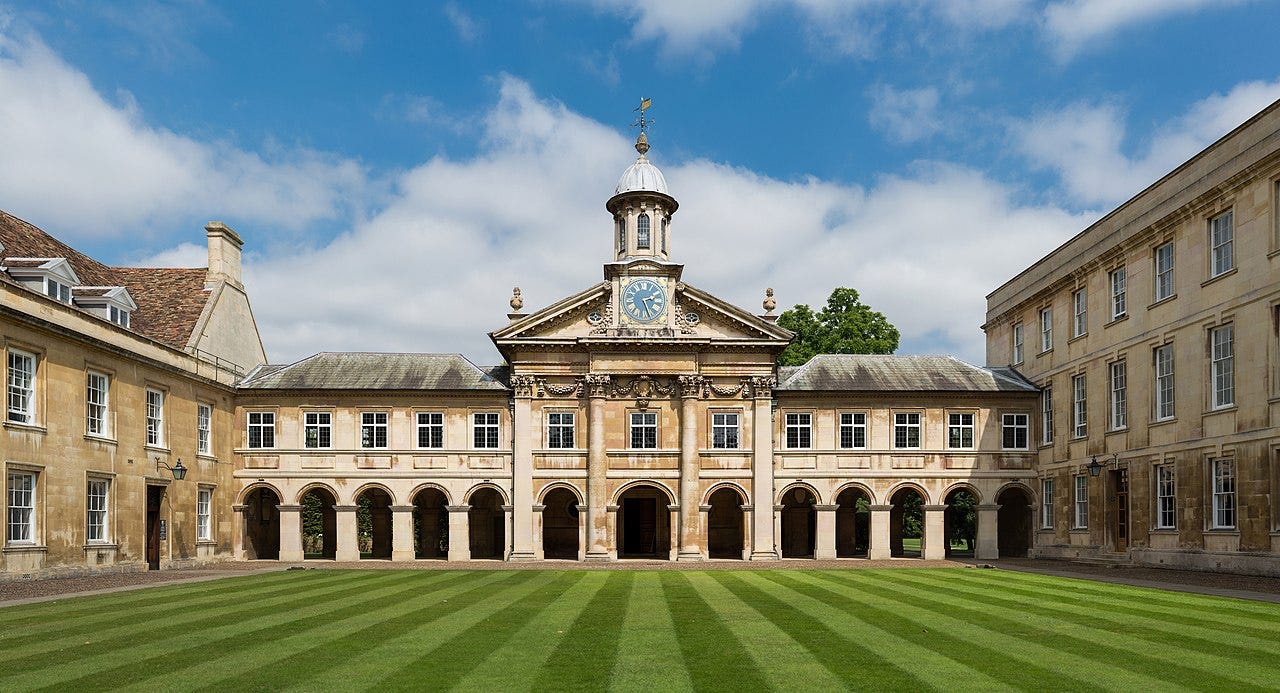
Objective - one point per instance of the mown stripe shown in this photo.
(585, 656)
(711, 653)
(649, 656)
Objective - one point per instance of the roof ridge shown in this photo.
(990, 370)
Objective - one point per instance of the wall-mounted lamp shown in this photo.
(1095, 468)
(179, 472)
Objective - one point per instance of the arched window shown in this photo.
(622, 235)
(664, 235)
(642, 232)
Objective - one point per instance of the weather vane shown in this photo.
(642, 122)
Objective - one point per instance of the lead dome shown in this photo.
(642, 175)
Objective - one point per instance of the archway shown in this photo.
(644, 523)
(488, 525)
(1013, 523)
(319, 524)
(799, 523)
(960, 522)
(853, 523)
(262, 524)
(373, 523)
(725, 524)
(430, 524)
(560, 524)
(906, 524)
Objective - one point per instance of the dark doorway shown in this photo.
(853, 524)
(262, 525)
(1120, 508)
(799, 523)
(373, 523)
(1013, 523)
(724, 525)
(430, 524)
(560, 524)
(155, 499)
(488, 525)
(960, 522)
(906, 524)
(319, 524)
(643, 524)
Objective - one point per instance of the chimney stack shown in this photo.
(224, 254)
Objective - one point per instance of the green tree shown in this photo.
(845, 326)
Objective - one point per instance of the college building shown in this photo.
(644, 418)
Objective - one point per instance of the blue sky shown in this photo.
(395, 168)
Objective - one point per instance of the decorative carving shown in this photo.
(575, 388)
(605, 320)
(718, 391)
(690, 385)
(594, 318)
(523, 385)
(762, 385)
(597, 384)
(686, 320)
(645, 387)
(516, 302)
(769, 304)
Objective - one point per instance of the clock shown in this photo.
(644, 301)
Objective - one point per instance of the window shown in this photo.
(1166, 505)
(317, 429)
(664, 235)
(1119, 395)
(724, 430)
(1046, 503)
(120, 317)
(853, 430)
(95, 396)
(22, 508)
(262, 429)
(1224, 494)
(22, 387)
(906, 430)
(1046, 329)
(1221, 244)
(644, 430)
(1164, 272)
(430, 429)
(1013, 431)
(204, 429)
(155, 417)
(96, 503)
(484, 430)
(1080, 302)
(1079, 407)
(1017, 344)
(373, 429)
(1223, 365)
(1118, 307)
(57, 290)
(622, 236)
(560, 429)
(1164, 382)
(1046, 415)
(642, 231)
(204, 529)
(960, 431)
(799, 430)
(1081, 519)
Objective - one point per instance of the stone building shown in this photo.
(1154, 335)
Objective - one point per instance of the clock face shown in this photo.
(644, 300)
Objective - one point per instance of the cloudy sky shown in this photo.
(395, 171)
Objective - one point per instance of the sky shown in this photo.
(395, 168)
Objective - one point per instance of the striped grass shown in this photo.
(896, 629)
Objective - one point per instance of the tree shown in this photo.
(845, 326)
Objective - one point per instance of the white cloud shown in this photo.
(1070, 25)
(1085, 144)
(905, 115)
(466, 26)
(347, 39)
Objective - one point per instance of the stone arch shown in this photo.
(742, 494)
(318, 521)
(913, 485)
(373, 503)
(561, 521)
(430, 521)
(853, 523)
(432, 486)
(244, 493)
(261, 521)
(671, 496)
(466, 499)
(906, 520)
(857, 485)
(644, 520)
(726, 521)
(577, 495)
(799, 484)
(1014, 523)
(487, 522)
(355, 496)
(312, 487)
(960, 519)
(799, 521)
(965, 485)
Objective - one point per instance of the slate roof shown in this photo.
(882, 373)
(169, 300)
(372, 371)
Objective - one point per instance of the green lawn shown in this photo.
(899, 629)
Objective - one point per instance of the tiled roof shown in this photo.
(170, 301)
(366, 371)
(882, 373)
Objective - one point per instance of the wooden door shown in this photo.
(1121, 510)
(155, 496)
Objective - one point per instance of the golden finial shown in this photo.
(516, 302)
(643, 122)
(769, 303)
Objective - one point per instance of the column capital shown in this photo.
(611, 508)
(522, 385)
(826, 508)
(401, 508)
(238, 508)
(457, 508)
(597, 384)
(988, 507)
(762, 386)
(933, 508)
(690, 385)
(345, 508)
(748, 508)
(779, 508)
(508, 508)
(881, 508)
(539, 508)
(704, 508)
(674, 507)
(289, 508)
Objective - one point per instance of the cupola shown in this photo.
(642, 209)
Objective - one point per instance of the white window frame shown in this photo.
(1165, 392)
(1221, 244)
(798, 430)
(1081, 515)
(1080, 305)
(959, 424)
(263, 423)
(20, 507)
(97, 403)
(726, 430)
(204, 514)
(853, 424)
(317, 423)
(1018, 335)
(57, 290)
(562, 430)
(1079, 406)
(1118, 380)
(1046, 416)
(907, 423)
(1224, 493)
(155, 417)
(1046, 329)
(1166, 497)
(21, 390)
(119, 316)
(431, 425)
(644, 232)
(1018, 425)
(374, 430)
(1222, 366)
(1119, 294)
(1046, 504)
(486, 430)
(97, 502)
(204, 428)
(643, 430)
(1163, 278)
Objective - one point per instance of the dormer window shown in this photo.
(51, 276)
(57, 290)
(107, 302)
(642, 232)
(119, 316)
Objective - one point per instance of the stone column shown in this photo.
(763, 541)
(748, 521)
(522, 438)
(402, 533)
(508, 511)
(880, 532)
(237, 532)
(597, 466)
(935, 532)
(988, 547)
(459, 532)
(290, 532)
(348, 548)
(690, 520)
(673, 531)
(538, 532)
(825, 541)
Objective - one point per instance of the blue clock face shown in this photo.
(644, 300)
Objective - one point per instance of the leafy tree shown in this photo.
(912, 516)
(845, 326)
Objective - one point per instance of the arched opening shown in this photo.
(373, 523)
(262, 524)
(960, 522)
(725, 524)
(488, 525)
(1013, 523)
(560, 524)
(642, 231)
(853, 524)
(319, 524)
(799, 523)
(430, 524)
(644, 523)
(906, 524)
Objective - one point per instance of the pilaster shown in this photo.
(690, 517)
(825, 544)
(459, 532)
(290, 532)
(880, 549)
(597, 516)
(348, 548)
(935, 532)
(521, 518)
(988, 547)
(402, 533)
(763, 542)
